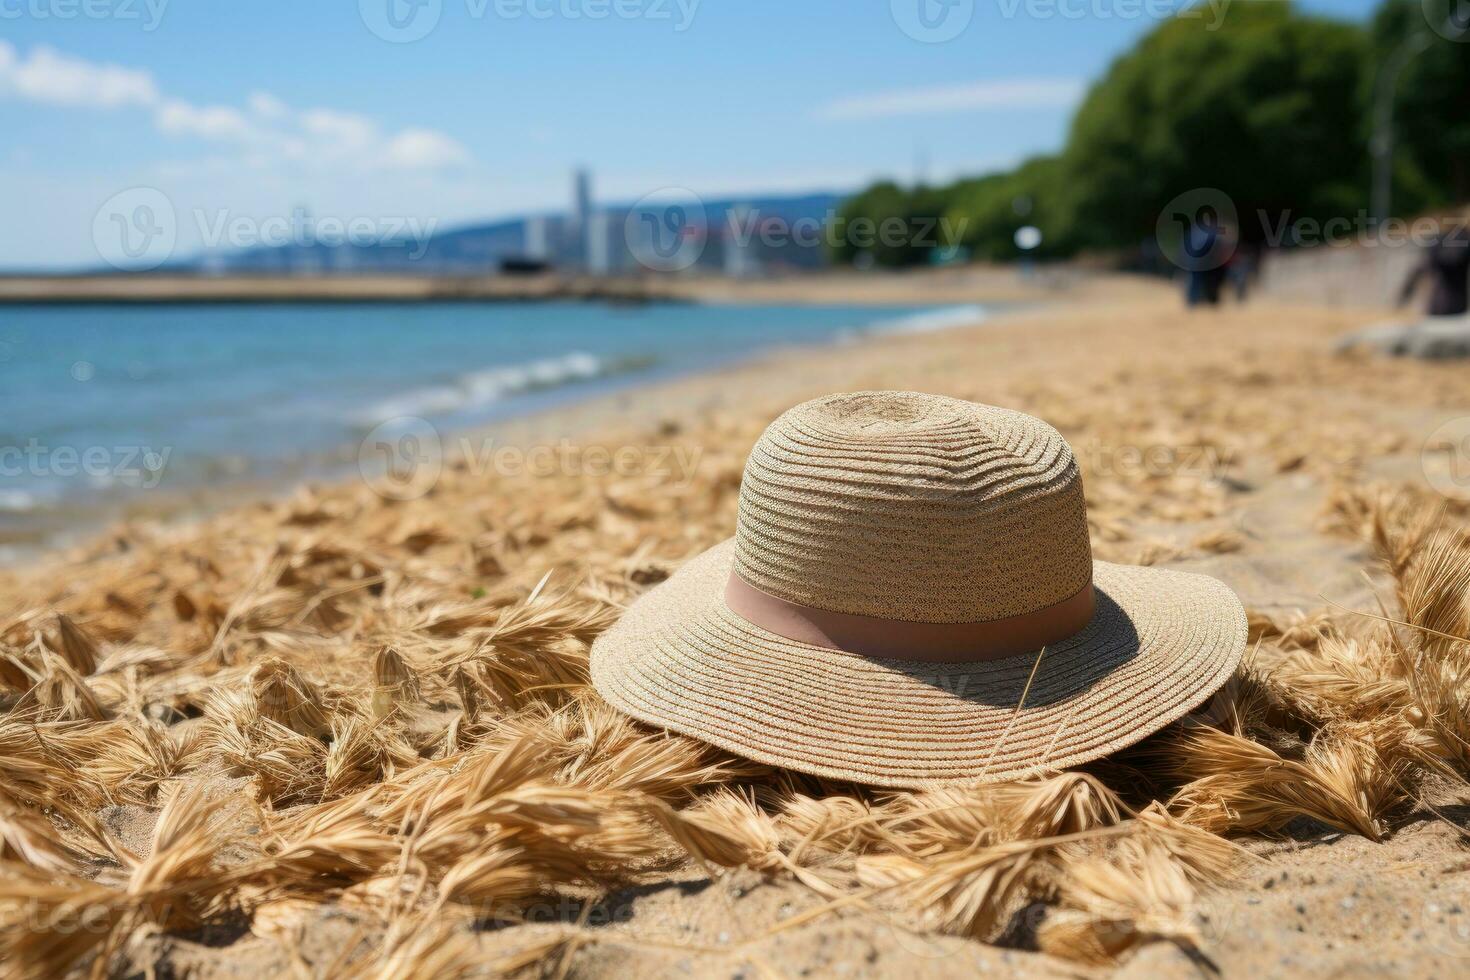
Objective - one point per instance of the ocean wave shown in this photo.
(18, 501)
(929, 320)
(477, 389)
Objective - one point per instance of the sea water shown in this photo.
(103, 403)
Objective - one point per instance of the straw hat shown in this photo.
(910, 599)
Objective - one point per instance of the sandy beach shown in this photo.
(252, 779)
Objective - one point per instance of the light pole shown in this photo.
(1381, 144)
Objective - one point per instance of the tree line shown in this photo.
(1275, 108)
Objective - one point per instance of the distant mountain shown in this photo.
(480, 249)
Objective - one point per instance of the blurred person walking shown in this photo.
(1208, 246)
(1446, 264)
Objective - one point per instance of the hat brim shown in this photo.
(1159, 644)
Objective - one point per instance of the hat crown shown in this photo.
(915, 507)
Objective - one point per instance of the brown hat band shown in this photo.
(897, 639)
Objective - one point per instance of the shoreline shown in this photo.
(33, 535)
(653, 403)
(624, 412)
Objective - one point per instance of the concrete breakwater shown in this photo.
(149, 288)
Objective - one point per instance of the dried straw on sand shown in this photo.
(345, 708)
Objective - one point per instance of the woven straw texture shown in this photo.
(853, 503)
(889, 503)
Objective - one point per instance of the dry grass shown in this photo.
(381, 706)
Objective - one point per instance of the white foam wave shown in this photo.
(18, 501)
(479, 388)
(941, 319)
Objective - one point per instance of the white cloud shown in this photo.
(265, 131)
(424, 149)
(1018, 93)
(207, 122)
(347, 130)
(265, 105)
(52, 78)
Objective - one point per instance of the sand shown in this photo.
(1230, 442)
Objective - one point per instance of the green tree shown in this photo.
(892, 226)
(986, 212)
(1431, 99)
(1265, 109)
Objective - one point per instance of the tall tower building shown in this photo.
(538, 240)
(738, 260)
(582, 213)
(597, 244)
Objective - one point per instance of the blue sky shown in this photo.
(249, 110)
